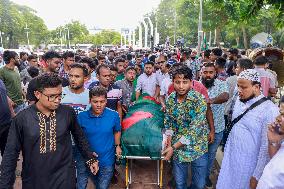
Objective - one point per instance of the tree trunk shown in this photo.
(245, 37)
(238, 41)
(218, 36)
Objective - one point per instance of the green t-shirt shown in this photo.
(12, 82)
(119, 77)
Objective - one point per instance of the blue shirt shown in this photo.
(99, 131)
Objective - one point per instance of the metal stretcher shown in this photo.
(128, 170)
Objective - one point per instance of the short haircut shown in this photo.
(100, 67)
(183, 70)
(101, 57)
(80, 66)
(68, 54)
(165, 57)
(217, 52)
(260, 60)
(130, 68)
(33, 71)
(234, 51)
(208, 64)
(207, 53)
(245, 63)
(23, 54)
(243, 52)
(98, 91)
(152, 58)
(31, 57)
(139, 65)
(119, 60)
(113, 68)
(111, 51)
(186, 53)
(91, 63)
(8, 55)
(47, 80)
(77, 58)
(50, 55)
(129, 56)
(149, 62)
(221, 62)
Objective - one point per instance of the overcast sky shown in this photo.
(114, 14)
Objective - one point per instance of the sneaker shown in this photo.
(209, 184)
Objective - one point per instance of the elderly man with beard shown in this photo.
(218, 96)
(246, 150)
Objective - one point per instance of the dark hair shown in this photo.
(113, 68)
(68, 54)
(217, 52)
(152, 58)
(183, 70)
(100, 67)
(31, 57)
(111, 51)
(101, 57)
(51, 54)
(207, 53)
(139, 65)
(77, 58)
(23, 54)
(119, 60)
(98, 91)
(8, 55)
(243, 52)
(91, 63)
(33, 71)
(208, 64)
(80, 66)
(129, 56)
(149, 62)
(261, 60)
(221, 62)
(234, 51)
(47, 80)
(129, 68)
(245, 63)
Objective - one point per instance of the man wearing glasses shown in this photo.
(42, 133)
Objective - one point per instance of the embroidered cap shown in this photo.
(250, 74)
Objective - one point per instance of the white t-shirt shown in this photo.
(273, 173)
(79, 102)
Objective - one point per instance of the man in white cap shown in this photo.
(246, 150)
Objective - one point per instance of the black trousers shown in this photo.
(4, 131)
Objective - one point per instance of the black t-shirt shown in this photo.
(5, 114)
(32, 88)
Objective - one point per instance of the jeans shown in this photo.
(198, 169)
(81, 169)
(103, 178)
(212, 150)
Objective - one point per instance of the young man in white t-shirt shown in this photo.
(76, 96)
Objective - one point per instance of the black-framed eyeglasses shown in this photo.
(52, 98)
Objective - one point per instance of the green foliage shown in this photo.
(107, 37)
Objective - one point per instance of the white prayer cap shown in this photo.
(249, 74)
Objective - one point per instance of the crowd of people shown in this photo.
(63, 112)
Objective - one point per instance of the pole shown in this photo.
(1, 39)
(210, 38)
(27, 32)
(140, 36)
(175, 30)
(68, 35)
(60, 33)
(151, 31)
(199, 29)
(145, 34)
(133, 35)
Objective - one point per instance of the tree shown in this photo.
(107, 37)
